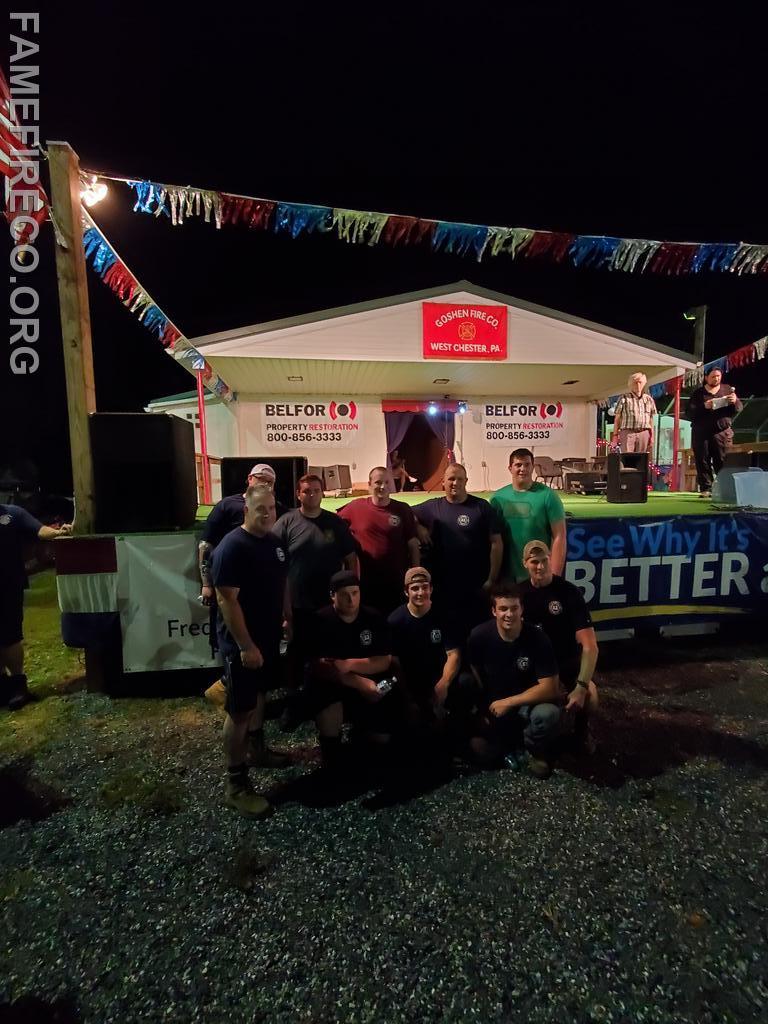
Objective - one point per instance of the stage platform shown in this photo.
(584, 506)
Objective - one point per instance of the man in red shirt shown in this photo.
(385, 532)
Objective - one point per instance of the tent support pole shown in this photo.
(203, 440)
(676, 437)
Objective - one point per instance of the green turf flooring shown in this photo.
(585, 506)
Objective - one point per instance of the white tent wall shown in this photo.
(221, 422)
(486, 463)
(368, 449)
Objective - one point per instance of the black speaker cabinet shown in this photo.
(143, 472)
(234, 475)
(627, 477)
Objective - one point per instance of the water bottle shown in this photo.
(384, 686)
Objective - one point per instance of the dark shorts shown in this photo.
(245, 684)
(11, 616)
(323, 688)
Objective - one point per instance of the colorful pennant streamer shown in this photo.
(121, 282)
(629, 255)
(744, 356)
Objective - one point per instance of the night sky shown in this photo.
(548, 117)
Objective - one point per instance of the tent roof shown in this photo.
(375, 348)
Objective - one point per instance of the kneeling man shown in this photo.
(515, 666)
(425, 643)
(350, 656)
(558, 607)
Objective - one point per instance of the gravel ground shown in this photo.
(630, 889)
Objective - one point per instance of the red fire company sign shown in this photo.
(453, 331)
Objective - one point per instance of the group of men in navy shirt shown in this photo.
(383, 642)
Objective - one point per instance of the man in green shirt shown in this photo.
(530, 511)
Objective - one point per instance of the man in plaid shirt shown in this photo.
(633, 425)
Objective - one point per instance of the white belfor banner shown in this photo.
(164, 626)
(311, 423)
(524, 422)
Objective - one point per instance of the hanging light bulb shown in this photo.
(92, 190)
(432, 409)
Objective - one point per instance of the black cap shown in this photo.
(344, 578)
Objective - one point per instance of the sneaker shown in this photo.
(516, 760)
(539, 767)
(217, 694)
(705, 494)
(241, 796)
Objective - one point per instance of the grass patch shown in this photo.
(158, 796)
(50, 666)
(35, 726)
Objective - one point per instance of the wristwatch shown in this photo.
(584, 686)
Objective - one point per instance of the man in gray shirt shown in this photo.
(319, 544)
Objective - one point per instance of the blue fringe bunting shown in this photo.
(593, 250)
(295, 218)
(460, 238)
(714, 256)
(149, 197)
(98, 252)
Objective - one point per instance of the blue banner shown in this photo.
(682, 569)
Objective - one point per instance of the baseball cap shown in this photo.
(344, 578)
(262, 469)
(417, 574)
(535, 547)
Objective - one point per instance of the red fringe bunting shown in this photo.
(672, 258)
(253, 213)
(120, 281)
(554, 244)
(741, 357)
(408, 231)
(170, 336)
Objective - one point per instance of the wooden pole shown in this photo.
(75, 325)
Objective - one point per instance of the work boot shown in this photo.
(259, 755)
(242, 797)
(18, 692)
(217, 694)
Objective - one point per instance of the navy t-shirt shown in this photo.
(17, 528)
(461, 538)
(226, 516)
(560, 610)
(259, 567)
(509, 667)
(367, 637)
(420, 644)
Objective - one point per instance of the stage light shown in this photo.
(432, 409)
(93, 191)
(462, 408)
